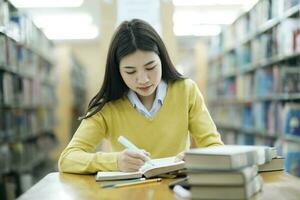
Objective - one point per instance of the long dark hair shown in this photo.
(130, 36)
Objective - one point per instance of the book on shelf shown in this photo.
(1, 89)
(3, 56)
(255, 51)
(228, 192)
(275, 164)
(244, 86)
(266, 46)
(292, 163)
(296, 38)
(4, 15)
(291, 119)
(285, 36)
(7, 84)
(12, 55)
(263, 82)
(272, 119)
(227, 157)
(4, 158)
(222, 177)
(290, 79)
(276, 79)
(260, 115)
(288, 4)
(245, 139)
(243, 56)
(161, 166)
(247, 117)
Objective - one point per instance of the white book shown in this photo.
(227, 157)
(228, 192)
(161, 166)
(222, 178)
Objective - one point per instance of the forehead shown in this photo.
(138, 58)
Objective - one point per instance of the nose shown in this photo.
(142, 78)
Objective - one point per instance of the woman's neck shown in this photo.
(148, 100)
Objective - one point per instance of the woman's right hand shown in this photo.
(130, 161)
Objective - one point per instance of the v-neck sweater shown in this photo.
(166, 134)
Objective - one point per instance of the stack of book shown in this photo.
(226, 172)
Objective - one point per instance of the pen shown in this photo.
(138, 182)
(131, 146)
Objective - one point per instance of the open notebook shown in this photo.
(161, 166)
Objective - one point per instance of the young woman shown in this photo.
(144, 99)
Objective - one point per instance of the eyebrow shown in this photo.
(148, 63)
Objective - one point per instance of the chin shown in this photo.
(146, 94)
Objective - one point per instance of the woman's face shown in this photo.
(141, 71)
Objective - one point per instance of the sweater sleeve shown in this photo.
(201, 125)
(78, 157)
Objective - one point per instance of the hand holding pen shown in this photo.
(132, 158)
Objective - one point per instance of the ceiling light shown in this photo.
(206, 2)
(46, 3)
(205, 17)
(72, 33)
(197, 30)
(62, 20)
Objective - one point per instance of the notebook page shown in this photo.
(160, 162)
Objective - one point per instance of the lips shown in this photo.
(145, 88)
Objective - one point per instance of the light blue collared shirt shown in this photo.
(161, 92)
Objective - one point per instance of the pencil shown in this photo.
(113, 183)
(138, 182)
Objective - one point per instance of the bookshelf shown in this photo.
(254, 79)
(71, 94)
(27, 102)
(78, 87)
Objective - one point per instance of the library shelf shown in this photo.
(254, 77)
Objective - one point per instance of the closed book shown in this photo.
(212, 177)
(228, 192)
(275, 164)
(161, 166)
(227, 157)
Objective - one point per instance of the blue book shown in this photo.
(292, 163)
(292, 120)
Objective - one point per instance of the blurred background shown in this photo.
(243, 54)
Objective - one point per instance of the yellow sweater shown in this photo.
(166, 134)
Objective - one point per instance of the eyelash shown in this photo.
(148, 69)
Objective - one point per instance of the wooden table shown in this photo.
(277, 185)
